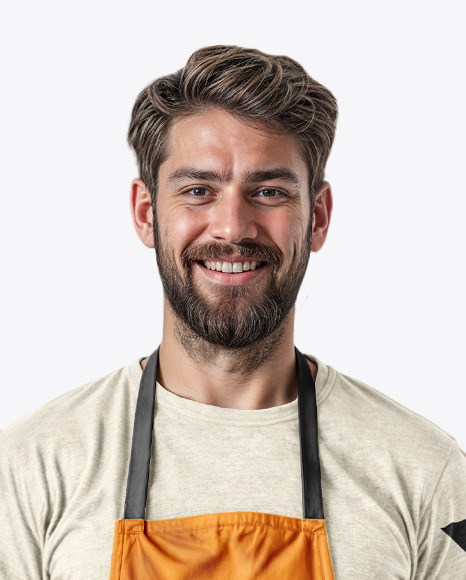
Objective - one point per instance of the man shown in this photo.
(231, 194)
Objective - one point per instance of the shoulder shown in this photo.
(385, 416)
(370, 411)
(68, 420)
(364, 431)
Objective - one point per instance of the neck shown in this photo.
(260, 376)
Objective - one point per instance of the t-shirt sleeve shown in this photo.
(21, 536)
(442, 533)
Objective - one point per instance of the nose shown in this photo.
(233, 220)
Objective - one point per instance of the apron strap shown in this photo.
(138, 476)
(313, 507)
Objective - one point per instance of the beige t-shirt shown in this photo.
(390, 479)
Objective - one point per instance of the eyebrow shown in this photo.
(269, 174)
(221, 177)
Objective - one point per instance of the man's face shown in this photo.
(233, 232)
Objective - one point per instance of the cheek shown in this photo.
(287, 231)
(184, 227)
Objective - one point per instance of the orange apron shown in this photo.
(225, 546)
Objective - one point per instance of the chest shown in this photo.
(366, 528)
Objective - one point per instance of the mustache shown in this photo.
(248, 250)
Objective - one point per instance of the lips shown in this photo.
(231, 258)
(234, 267)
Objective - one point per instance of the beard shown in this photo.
(232, 317)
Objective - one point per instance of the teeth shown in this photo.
(229, 267)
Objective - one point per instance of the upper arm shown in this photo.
(442, 533)
(21, 536)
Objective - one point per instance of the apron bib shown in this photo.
(226, 546)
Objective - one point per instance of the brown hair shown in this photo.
(272, 92)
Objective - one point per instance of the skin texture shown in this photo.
(229, 213)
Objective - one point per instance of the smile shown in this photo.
(231, 267)
(231, 273)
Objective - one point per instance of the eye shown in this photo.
(197, 191)
(271, 192)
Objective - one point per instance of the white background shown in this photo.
(383, 301)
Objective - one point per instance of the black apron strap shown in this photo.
(313, 506)
(138, 476)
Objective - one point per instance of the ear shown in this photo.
(141, 211)
(321, 218)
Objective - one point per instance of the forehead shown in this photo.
(216, 140)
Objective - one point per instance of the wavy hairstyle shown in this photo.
(270, 92)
